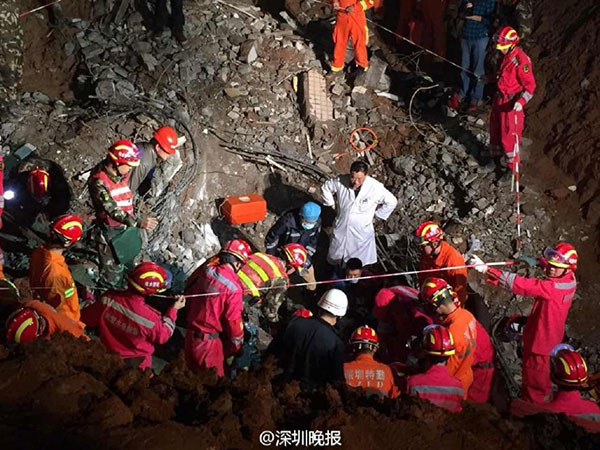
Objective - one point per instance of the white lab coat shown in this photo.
(353, 231)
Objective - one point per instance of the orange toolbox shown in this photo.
(244, 209)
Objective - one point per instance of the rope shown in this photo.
(26, 13)
(339, 280)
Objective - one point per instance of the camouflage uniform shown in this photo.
(11, 51)
(112, 273)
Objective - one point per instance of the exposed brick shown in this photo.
(316, 104)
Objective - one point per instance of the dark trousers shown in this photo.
(161, 15)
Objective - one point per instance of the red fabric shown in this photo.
(515, 77)
(545, 326)
(571, 403)
(447, 257)
(407, 10)
(483, 369)
(128, 326)
(371, 375)
(120, 193)
(216, 314)
(257, 259)
(351, 26)
(399, 319)
(462, 325)
(449, 389)
(536, 385)
(56, 321)
(434, 27)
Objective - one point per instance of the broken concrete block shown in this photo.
(360, 98)
(149, 61)
(91, 51)
(248, 52)
(316, 104)
(372, 77)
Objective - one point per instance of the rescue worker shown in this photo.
(11, 52)
(175, 20)
(360, 199)
(49, 276)
(34, 319)
(130, 327)
(300, 226)
(483, 367)
(311, 349)
(159, 161)
(437, 253)
(570, 373)
(116, 234)
(434, 26)
(350, 23)
(364, 371)
(439, 294)
(516, 85)
(39, 191)
(267, 271)
(436, 384)
(400, 319)
(215, 331)
(545, 326)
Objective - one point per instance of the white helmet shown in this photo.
(335, 302)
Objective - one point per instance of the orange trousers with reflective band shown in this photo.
(350, 26)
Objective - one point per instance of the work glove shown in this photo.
(529, 260)
(480, 266)
(518, 107)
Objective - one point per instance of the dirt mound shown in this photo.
(72, 393)
(563, 119)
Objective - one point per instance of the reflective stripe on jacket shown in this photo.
(437, 386)
(260, 269)
(120, 193)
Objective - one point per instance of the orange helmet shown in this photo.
(124, 153)
(148, 278)
(295, 254)
(364, 335)
(69, 228)
(563, 255)
(437, 292)
(166, 138)
(429, 232)
(438, 341)
(38, 182)
(507, 38)
(567, 367)
(24, 325)
(304, 313)
(238, 248)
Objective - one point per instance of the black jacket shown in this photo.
(288, 229)
(312, 352)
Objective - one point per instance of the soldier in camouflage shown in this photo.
(11, 52)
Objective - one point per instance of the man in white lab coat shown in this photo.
(360, 198)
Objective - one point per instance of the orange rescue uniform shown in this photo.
(372, 376)
(463, 327)
(56, 322)
(448, 257)
(351, 25)
(51, 281)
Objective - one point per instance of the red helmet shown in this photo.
(429, 232)
(563, 255)
(38, 182)
(238, 248)
(23, 325)
(148, 278)
(124, 152)
(568, 367)
(364, 335)
(166, 138)
(437, 292)
(438, 341)
(295, 254)
(507, 38)
(69, 228)
(304, 313)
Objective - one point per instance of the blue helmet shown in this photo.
(310, 211)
